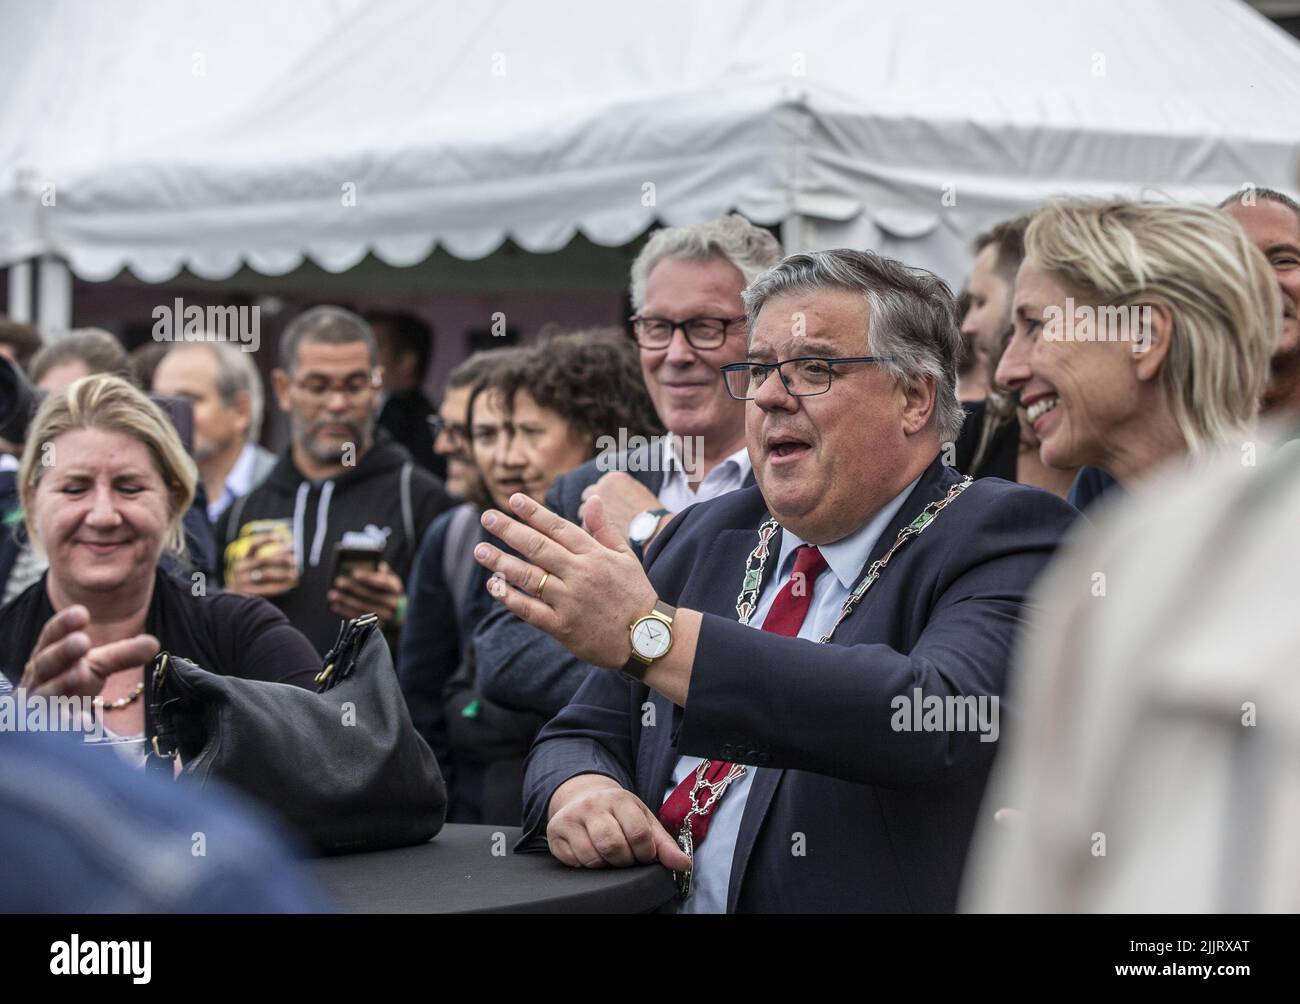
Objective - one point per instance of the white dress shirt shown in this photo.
(238, 482)
(675, 494)
(845, 559)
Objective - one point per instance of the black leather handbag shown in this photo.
(344, 766)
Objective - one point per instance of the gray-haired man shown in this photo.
(222, 384)
(811, 668)
(689, 321)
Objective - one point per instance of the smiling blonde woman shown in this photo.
(104, 482)
(1142, 332)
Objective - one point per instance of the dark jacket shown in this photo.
(405, 417)
(519, 666)
(886, 816)
(224, 633)
(1000, 458)
(1090, 484)
(385, 498)
(480, 745)
(10, 516)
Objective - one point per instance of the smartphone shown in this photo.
(346, 557)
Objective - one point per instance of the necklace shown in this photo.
(757, 560)
(685, 838)
(121, 702)
(745, 605)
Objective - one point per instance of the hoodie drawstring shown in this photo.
(322, 517)
(299, 513)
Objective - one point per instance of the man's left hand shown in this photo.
(596, 587)
(362, 591)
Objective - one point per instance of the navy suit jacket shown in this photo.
(847, 814)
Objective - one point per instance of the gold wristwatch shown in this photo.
(652, 637)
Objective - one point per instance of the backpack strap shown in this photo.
(408, 512)
(458, 552)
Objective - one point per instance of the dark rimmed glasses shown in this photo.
(438, 425)
(700, 332)
(319, 387)
(803, 376)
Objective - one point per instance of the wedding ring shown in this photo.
(542, 585)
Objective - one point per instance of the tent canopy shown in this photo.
(210, 137)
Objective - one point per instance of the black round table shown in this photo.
(473, 869)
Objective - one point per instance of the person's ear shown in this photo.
(280, 384)
(919, 398)
(243, 412)
(1151, 330)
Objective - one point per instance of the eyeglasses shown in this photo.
(438, 425)
(803, 376)
(352, 387)
(700, 332)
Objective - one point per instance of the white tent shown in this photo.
(161, 136)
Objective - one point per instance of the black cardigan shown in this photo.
(224, 633)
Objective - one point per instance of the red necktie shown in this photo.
(784, 618)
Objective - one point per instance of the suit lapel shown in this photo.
(763, 787)
(761, 792)
(732, 550)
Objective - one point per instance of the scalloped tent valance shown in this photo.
(157, 138)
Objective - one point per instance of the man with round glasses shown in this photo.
(798, 697)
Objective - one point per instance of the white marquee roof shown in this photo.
(206, 136)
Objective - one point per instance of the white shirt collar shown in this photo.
(847, 556)
(240, 478)
(672, 459)
(238, 482)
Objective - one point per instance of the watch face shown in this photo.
(641, 527)
(651, 638)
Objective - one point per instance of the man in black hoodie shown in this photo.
(340, 482)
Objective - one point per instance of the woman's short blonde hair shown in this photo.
(110, 404)
(1195, 259)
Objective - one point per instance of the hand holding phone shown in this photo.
(361, 583)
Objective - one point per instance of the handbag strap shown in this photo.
(158, 733)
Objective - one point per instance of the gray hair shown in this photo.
(331, 325)
(98, 350)
(912, 317)
(1266, 194)
(752, 250)
(236, 373)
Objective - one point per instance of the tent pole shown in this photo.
(20, 292)
(54, 302)
(798, 233)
